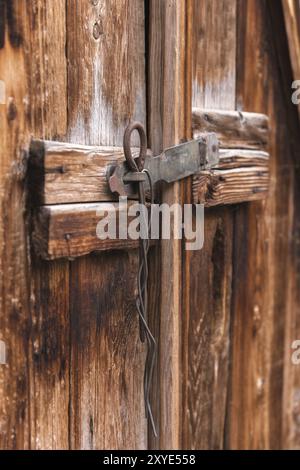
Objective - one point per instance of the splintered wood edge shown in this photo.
(234, 129)
(240, 176)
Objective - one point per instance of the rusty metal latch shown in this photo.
(138, 175)
(174, 164)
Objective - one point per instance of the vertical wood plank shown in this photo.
(50, 361)
(291, 11)
(31, 380)
(263, 391)
(106, 89)
(248, 414)
(169, 122)
(208, 272)
(107, 408)
(214, 58)
(286, 300)
(49, 353)
(106, 77)
(14, 289)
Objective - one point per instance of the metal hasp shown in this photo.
(174, 164)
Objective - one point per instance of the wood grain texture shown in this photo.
(70, 230)
(231, 186)
(248, 419)
(240, 176)
(234, 129)
(34, 81)
(62, 173)
(106, 89)
(56, 73)
(106, 69)
(169, 121)
(263, 403)
(288, 210)
(208, 334)
(107, 355)
(213, 59)
(50, 350)
(291, 11)
(207, 294)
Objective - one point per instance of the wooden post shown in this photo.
(169, 105)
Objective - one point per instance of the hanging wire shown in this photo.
(143, 272)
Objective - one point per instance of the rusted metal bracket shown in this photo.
(174, 164)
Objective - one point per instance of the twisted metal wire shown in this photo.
(142, 305)
(137, 165)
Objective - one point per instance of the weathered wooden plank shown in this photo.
(33, 85)
(208, 336)
(70, 230)
(106, 62)
(263, 405)
(106, 89)
(234, 129)
(62, 173)
(213, 58)
(46, 110)
(169, 118)
(50, 350)
(287, 246)
(231, 186)
(240, 176)
(207, 273)
(291, 11)
(108, 360)
(14, 314)
(65, 173)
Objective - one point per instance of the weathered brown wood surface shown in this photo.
(263, 405)
(226, 316)
(106, 89)
(291, 11)
(169, 122)
(233, 186)
(234, 129)
(69, 230)
(71, 71)
(33, 379)
(240, 176)
(207, 275)
(63, 173)
(240, 388)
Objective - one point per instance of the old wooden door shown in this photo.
(224, 316)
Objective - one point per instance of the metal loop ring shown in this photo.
(138, 163)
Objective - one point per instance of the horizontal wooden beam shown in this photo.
(69, 230)
(63, 173)
(68, 182)
(234, 129)
(241, 176)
